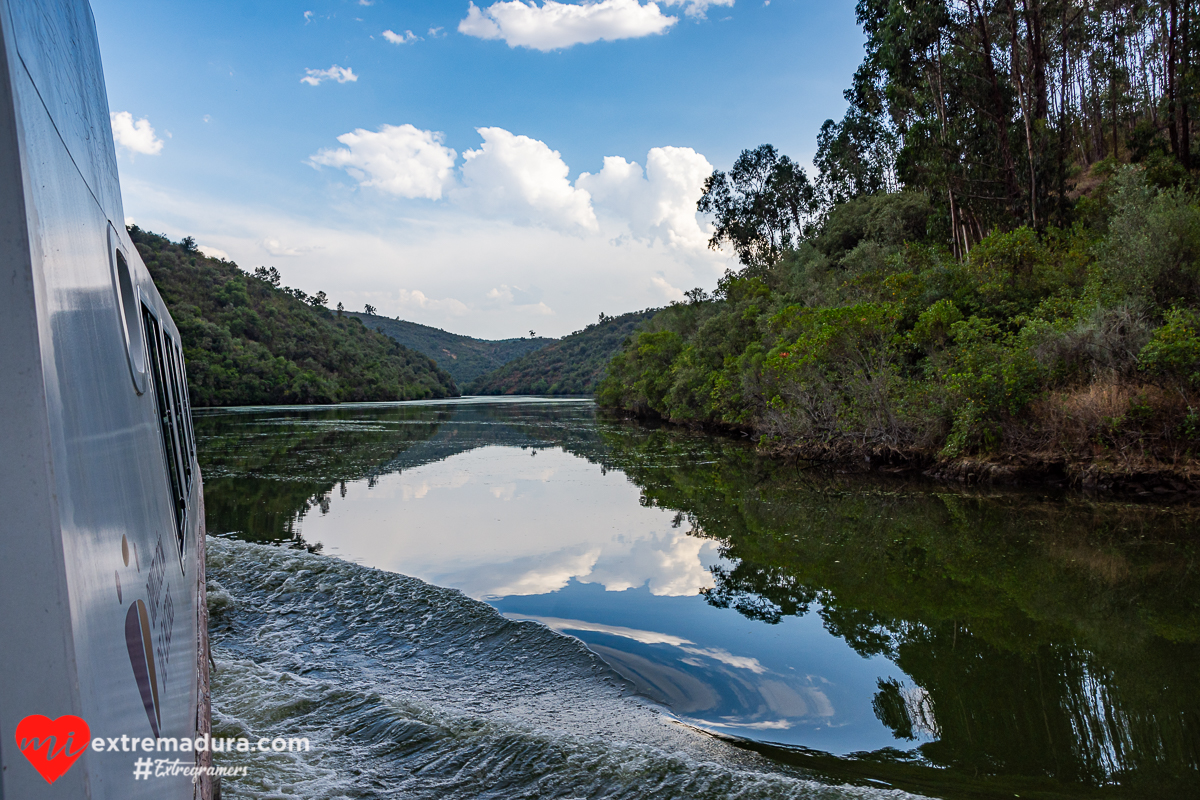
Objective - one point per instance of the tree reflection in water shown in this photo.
(264, 470)
(1047, 637)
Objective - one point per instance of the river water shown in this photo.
(529, 598)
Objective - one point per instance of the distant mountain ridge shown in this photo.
(248, 341)
(571, 365)
(464, 357)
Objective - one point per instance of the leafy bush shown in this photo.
(1152, 251)
(1089, 344)
(986, 375)
(641, 376)
(836, 380)
(1012, 269)
(932, 331)
(1173, 352)
(886, 219)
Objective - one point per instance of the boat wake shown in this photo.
(410, 690)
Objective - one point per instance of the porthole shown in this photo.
(128, 305)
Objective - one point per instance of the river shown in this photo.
(529, 598)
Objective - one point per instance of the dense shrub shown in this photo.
(1152, 251)
(1173, 352)
(836, 379)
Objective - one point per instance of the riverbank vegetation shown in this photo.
(998, 258)
(249, 341)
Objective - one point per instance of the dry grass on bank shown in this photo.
(1130, 427)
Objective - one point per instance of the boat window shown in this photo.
(182, 418)
(185, 404)
(127, 299)
(187, 407)
(166, 397)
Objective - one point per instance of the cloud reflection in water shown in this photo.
(490, 523)
(657, 672)
(495, 523)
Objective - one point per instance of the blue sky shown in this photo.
(446, 161)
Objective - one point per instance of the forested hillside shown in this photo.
(249, 342)
(464, 357)
(571, 365)
(998, 257)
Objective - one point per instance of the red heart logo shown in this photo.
(63, 741)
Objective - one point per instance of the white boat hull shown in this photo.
(101, 568)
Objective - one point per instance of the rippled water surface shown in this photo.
(486, 598)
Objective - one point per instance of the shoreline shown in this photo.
(1158, 482)
(1147, 479)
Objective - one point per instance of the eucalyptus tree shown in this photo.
(999, 106)
(764, 206)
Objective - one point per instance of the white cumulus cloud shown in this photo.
(407, 37)
(530, 298)
(136, 137)
(553, 25)
(314, 77)
(417, 299)
(658, 203)
(399, 159)
(523, 179)
(670, 292)
(278, 248)
(213, 252)
(698, 9)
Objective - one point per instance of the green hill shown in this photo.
(571, 365)
(464, 357)
(249, 342)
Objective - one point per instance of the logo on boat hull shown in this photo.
(149, 625)
(63, 740)
(141, 657)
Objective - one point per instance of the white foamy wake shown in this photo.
(407, 690)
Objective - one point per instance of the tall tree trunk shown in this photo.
(998, 110)
(1064, 118)
(1025, 103)
(1095, 112)
(1185, 122)
(1113, 84)
(1037, 55)
(1173, 122)
(959, 248)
